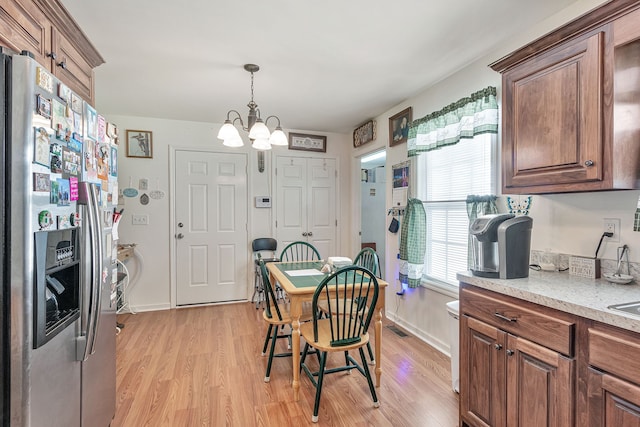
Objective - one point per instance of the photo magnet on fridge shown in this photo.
(42, 141)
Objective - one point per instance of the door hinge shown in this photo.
(276, 223)
(336, 222)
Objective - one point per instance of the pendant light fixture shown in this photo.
(259, 134)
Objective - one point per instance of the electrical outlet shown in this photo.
(612, 225)
(140, 219)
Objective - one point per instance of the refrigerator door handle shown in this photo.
(92, 290)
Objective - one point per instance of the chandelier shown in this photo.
(259, 134)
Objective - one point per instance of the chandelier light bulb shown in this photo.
(278, 137)
(261, 144)
(233, 142)
(259, 130)
(227, 131)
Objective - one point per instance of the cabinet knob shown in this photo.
(62, 64)
(52, 55)
(510, 352)
(588, 163)
(498, 346)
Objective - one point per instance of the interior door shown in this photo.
(306, 202)
(211, 227)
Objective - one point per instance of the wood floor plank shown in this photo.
(202, 366)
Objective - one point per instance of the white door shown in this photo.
(211, 227)
(306, 202)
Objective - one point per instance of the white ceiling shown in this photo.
(324, 65)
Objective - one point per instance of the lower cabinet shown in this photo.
(523, 364)
(511, 381)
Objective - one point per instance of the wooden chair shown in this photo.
(299, 251)
(277, 315)
(265, 247)
(367, 258)
(344, 329)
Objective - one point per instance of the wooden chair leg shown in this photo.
(316, 406)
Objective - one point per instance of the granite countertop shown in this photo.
(583, 297)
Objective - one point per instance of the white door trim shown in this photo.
(172, 213)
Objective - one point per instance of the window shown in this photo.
(444, 178)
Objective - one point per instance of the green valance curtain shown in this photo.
(470, 116)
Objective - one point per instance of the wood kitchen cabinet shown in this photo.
(517, 365)
(565, 127)
(44, 28)
(613, 377)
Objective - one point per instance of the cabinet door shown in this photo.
(71, 68)
(23, 26)
(552, 119)
(540, 387)
(613, 402)
(482, 373)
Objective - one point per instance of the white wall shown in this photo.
(152, 289)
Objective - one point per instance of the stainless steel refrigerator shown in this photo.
(59, 258)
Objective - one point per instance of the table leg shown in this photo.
(296, 312)
(378, 332)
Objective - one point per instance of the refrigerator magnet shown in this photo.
(41, 152)
(64, 192)
(44, 106)
(44, 220)
(64, 92)
(91, 122)
(41, 182)
(76, 103)
(44, 79)
(156, 194)
(144, 199)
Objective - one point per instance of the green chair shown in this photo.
(277, 316)
(345, 327)
(299, 251)
(367, 258)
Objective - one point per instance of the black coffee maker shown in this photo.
(500, 246)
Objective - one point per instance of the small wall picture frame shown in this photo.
(399, 127)
(139, 143)
(364, 133)
(301, 141)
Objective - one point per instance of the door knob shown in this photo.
(310, 233)
(305, 234)
(179, 236)
(180, 225)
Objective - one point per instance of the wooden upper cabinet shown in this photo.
(71, 68)
(552, 131)
(45, 28)
(23, 26)
(562, 118)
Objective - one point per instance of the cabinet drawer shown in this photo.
(615, 351)
(542, 325)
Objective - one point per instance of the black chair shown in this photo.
(350, 294)
(264, 247)
(299, 251)
(277, 315)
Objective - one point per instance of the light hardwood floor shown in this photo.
(202, 366)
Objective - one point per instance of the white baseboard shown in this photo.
(434, 342)
(150, 307)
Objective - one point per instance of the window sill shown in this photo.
(441, 287)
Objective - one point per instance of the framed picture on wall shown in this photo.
(300, 141)
(399, 127)
(139, 144)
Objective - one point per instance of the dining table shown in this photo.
(299, 280)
